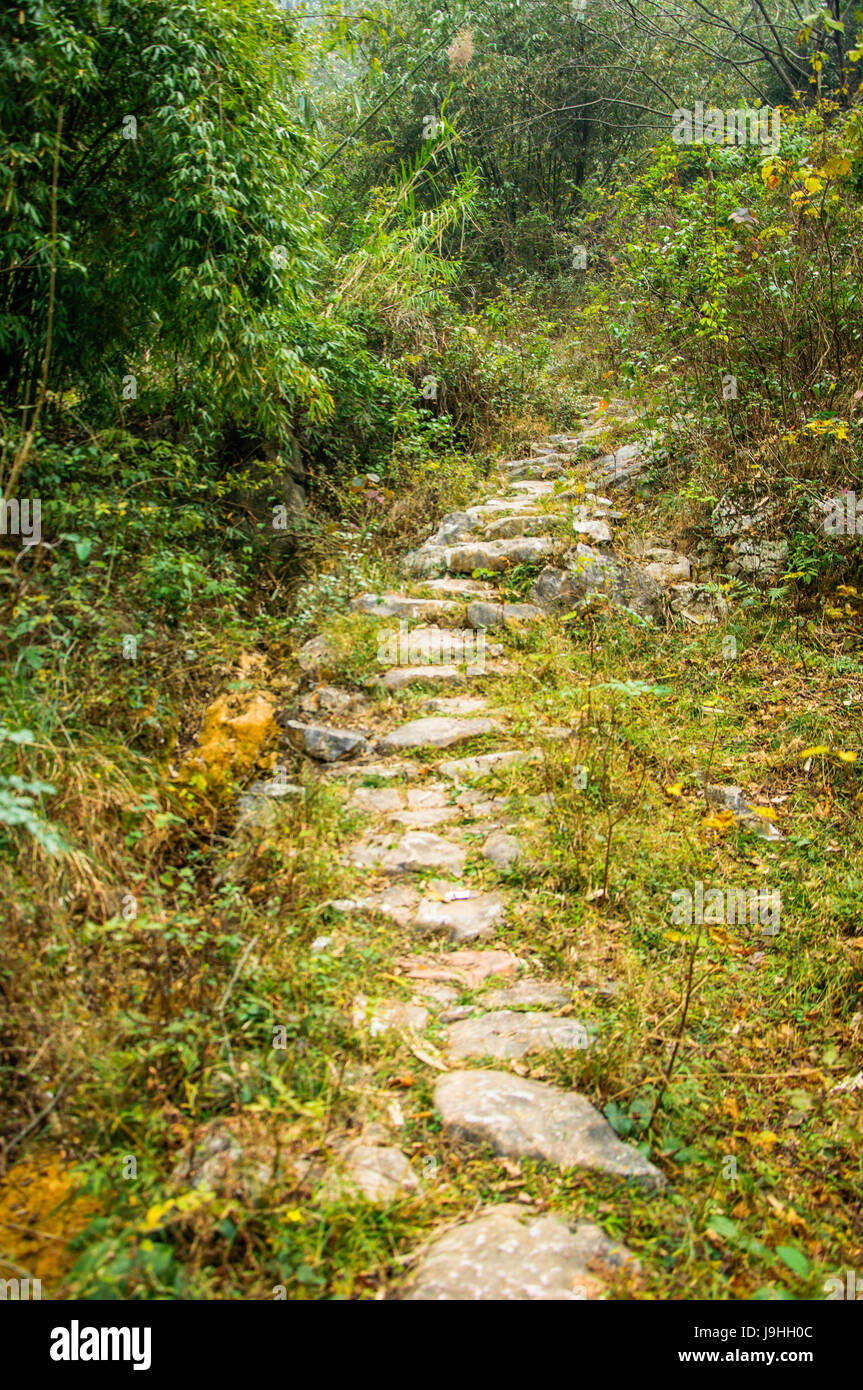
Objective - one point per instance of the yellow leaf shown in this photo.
(764, 1139)
(815, 751)
(837, 164)
(846, 589)
(674, 790)
(846, 755)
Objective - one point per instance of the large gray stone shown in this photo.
(416, 852)
(507, 528)
(507, 1253)
(698, 604)
(501, 849)
(528, 1119)
(399, 677)
(504, 1035)
(398, 903)
(483, 615)
(462, 919)
(435, 646)
(380, 1172)
(466, 968)
(459, 769)
(425, 562)
(497, 555)
(454, 527)
(435, 732)
(403, 606)
(666, 566)
(594, 530)
(325, 745)
(623, 466)
(760, 557)
(589, 574)
(458, 587)
(526, 993)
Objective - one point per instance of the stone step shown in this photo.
(597, 531)
(498, 555)
(416, 852)
(403, 606)
(485, 615)
(459, 588)
(466, 968)
(433, 646)
(324, 744)
(460, 769)
(398, 677)
(530, 1119)
(526, 993)
(505, 1035)
(509, 1253)
(535, 488)
(436, 732)
(469, 918)
(513, 527)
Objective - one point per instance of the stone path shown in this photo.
(435, 818)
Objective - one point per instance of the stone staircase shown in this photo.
(428, 823)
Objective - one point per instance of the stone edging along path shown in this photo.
(505, 1251)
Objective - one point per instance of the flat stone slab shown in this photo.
(414, 853)
(505, 1035)
(507, 528)
(483, 615)
(381, 1173)
(506, 1253)
(434, 646)
(394, 1017)
(525, 993)
(497, 555)
(667, 567)
(534, 488)
(402, 606)
(459, 588)
(398, 677)
(590, 573)
(399, 903)
(425, 819)
(379, 799)
(457, 706)
(468, 968)
(529, 1119)
(326, 745)
(462, 919)
(501, 849)
(698, 604)
(328, 699)
(457, 769)
(388, 770)
(597, 531)
(425, 798)
(377, 1173)
(436, 732)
